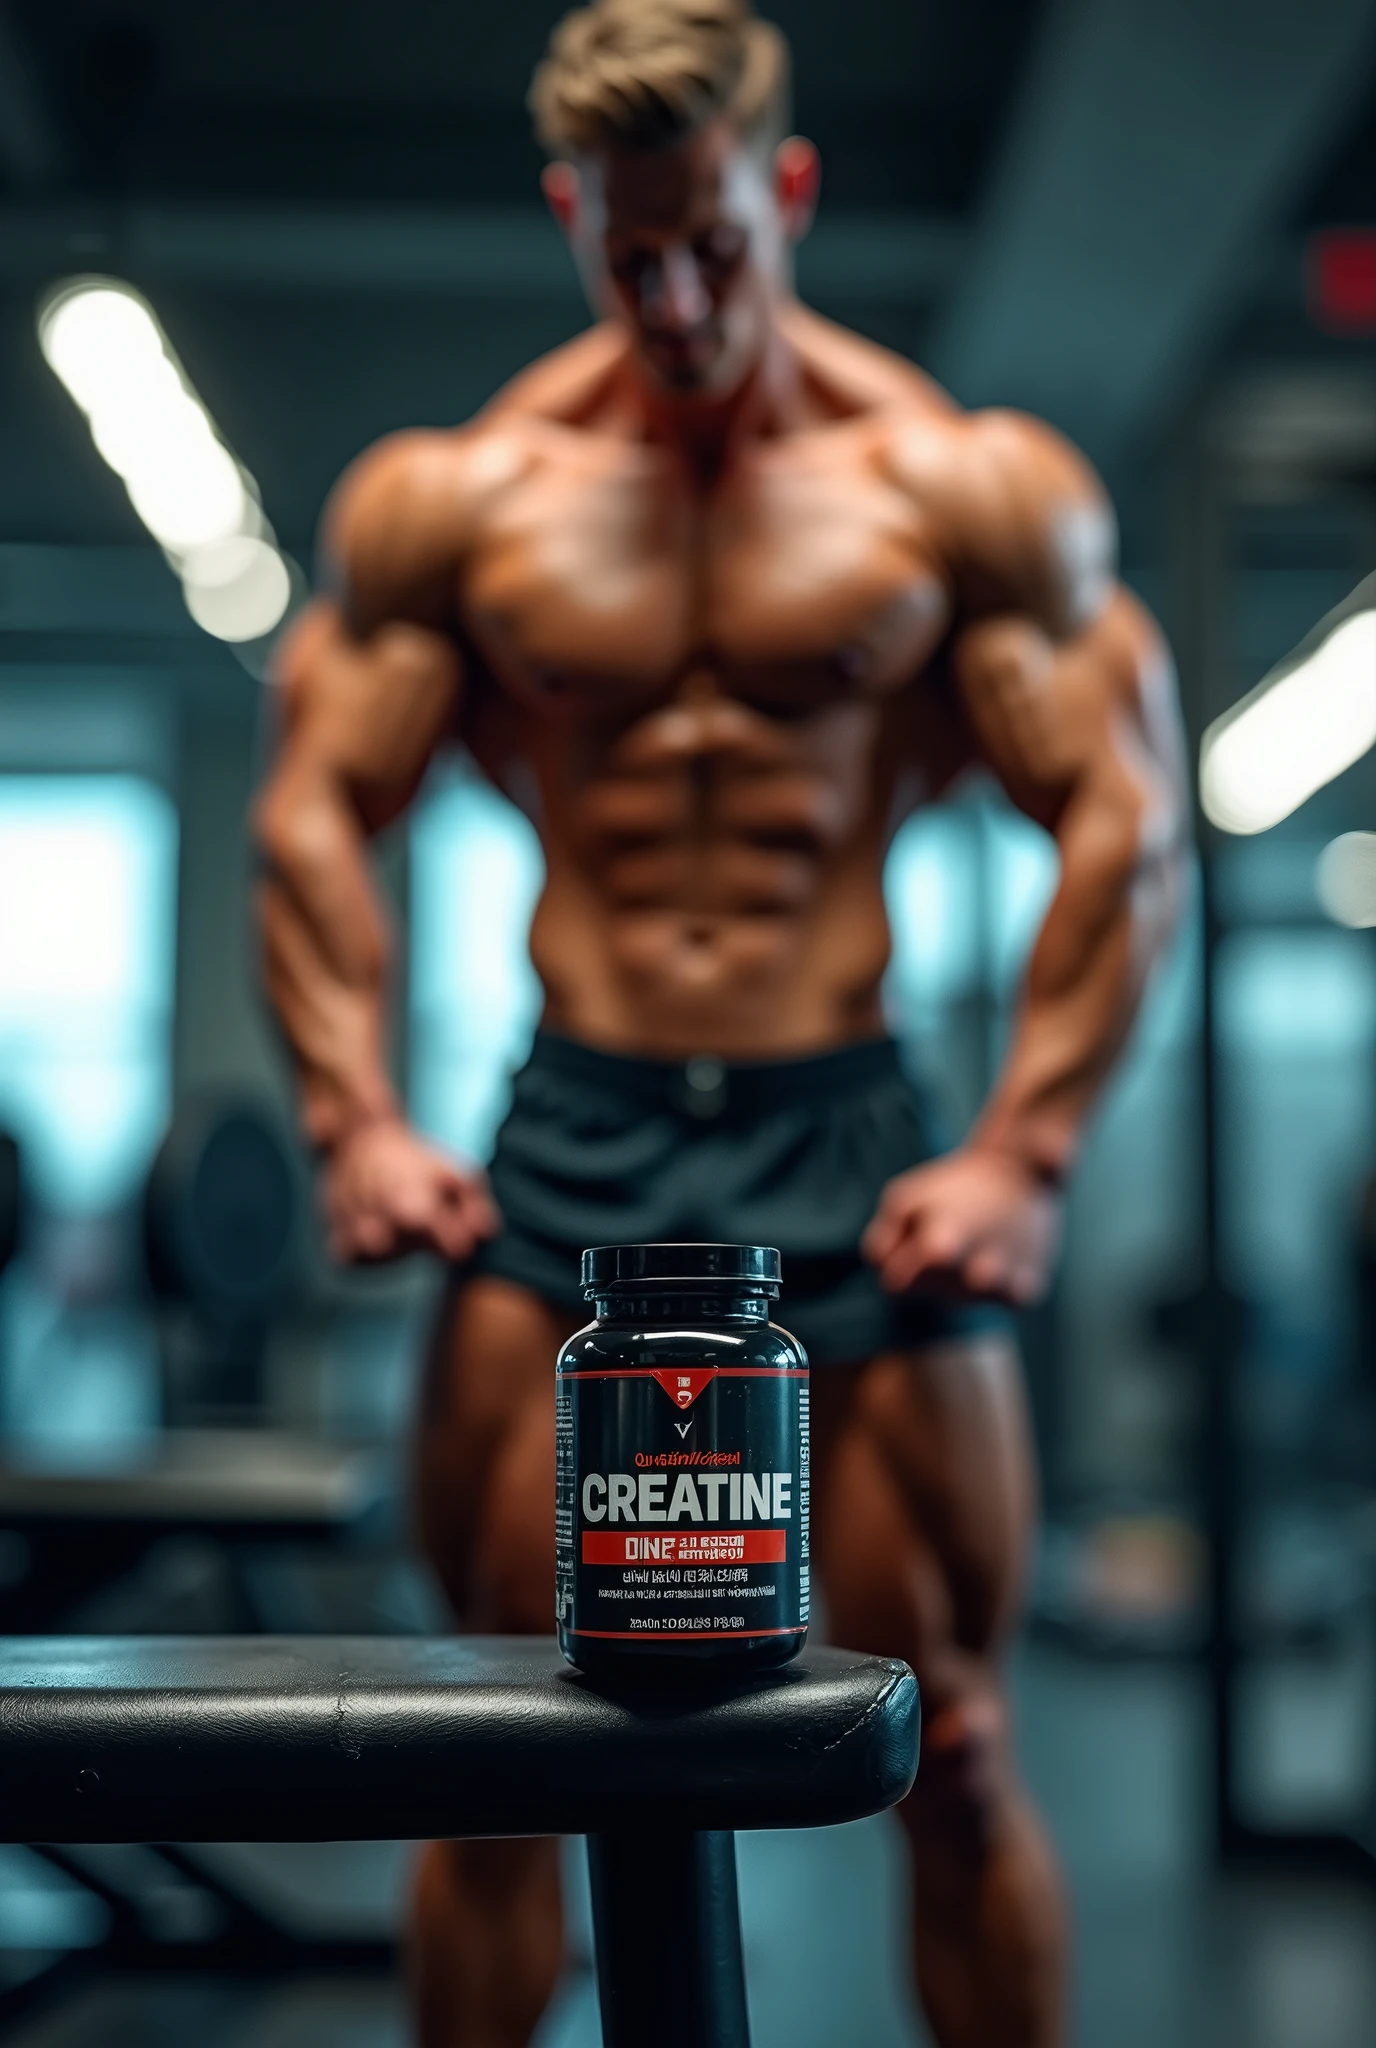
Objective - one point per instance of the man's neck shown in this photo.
(708, 430)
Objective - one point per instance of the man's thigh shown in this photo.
(923, 1499)
(484, 1454)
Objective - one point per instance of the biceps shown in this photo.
(367, 714)
(1006, 671)
(360, 723)
(1077, 724)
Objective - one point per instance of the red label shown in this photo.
(684, 1387)
(686, 1546)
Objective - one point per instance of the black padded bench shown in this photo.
(314, 1739)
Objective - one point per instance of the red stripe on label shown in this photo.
(686, 1546)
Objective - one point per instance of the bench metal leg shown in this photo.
(668, 1932)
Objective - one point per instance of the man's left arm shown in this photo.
(1067, 686)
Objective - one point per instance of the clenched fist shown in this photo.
(976, 1225)
(387, 1192)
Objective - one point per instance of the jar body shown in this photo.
(682, 1495)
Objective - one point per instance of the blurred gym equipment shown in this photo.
(222, 1236)
(303, 1740)
(11, 1199)
(1256, 1496)
(82, 1527)
(10, 1196)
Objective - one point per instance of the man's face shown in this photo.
(685, 246)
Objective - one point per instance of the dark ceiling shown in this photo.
(320, 104)
(324, 113)
(423, 99)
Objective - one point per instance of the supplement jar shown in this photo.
(681, 1501)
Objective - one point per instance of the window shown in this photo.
(87, 955)
(967, 886)
(1296, 1024)
(476, 872)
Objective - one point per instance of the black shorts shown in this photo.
(600, 1149)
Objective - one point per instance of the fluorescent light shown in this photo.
(1305, 723)
(157, 417)
(96, 334)
(104, 342)
(192, 498)
(238, 590)
(1346, 879)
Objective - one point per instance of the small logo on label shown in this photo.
(684, 1387)
(683, 1428)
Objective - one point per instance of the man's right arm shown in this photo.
(369, 682)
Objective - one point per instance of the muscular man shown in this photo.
(719, 593)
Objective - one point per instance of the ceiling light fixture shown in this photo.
(104, 341)
(1310, 719)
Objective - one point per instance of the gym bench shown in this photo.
(167, 1740)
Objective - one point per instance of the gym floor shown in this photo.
(1166, 1952)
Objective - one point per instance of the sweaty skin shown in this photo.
(718, 594)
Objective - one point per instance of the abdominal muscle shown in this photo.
(714, 883)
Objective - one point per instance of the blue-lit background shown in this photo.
(88, 891)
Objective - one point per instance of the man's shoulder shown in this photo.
(1016, 509)
(987, 456)
(437, 482)
(421, 477)
(407, 511)
(404, 514)
(919, 433)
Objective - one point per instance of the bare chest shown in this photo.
(805, 579)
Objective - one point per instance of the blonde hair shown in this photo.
(641, 74)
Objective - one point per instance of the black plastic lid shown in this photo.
(608, 1268)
